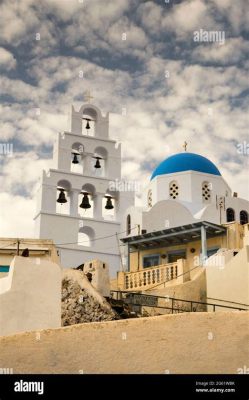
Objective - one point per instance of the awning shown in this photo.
(174, 236)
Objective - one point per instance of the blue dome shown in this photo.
(185, 162)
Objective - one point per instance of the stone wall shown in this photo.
(81, 302)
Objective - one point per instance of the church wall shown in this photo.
(65, 230)
(166, 214)
(190, 186)
(193, 343)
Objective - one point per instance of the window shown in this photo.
(173, 190)
(151, 260)
(206, 192)
(128, 224)
(243, 217)
(212, 251)
(149, 198)
(175, 255)
(230, 215)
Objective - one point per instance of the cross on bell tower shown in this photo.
(185, 144)
(88, 96)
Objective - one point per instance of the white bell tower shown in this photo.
(86, 162)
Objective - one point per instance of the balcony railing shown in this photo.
(150, 277)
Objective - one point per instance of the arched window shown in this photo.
(206, 192)
(63, 200)
(243, 217)
(89, 119)
(99, 161)
(230, 215)
(128, 224)
(173, 190)
(76, 158)
(86, 236)
(149, 198)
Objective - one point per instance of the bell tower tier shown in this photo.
(76, 206)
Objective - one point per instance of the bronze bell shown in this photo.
(109, 205)
(62, 197)
(75, 158)
(88, 125)
(97, 164)
(85, 202)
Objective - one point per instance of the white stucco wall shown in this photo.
(231, 283)
(30, 296)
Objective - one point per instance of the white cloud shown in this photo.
(161, 112)
(234, 50)
(16, 216)
(7, 59)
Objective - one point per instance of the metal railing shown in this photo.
(175, 305)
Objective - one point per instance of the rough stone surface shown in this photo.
(81, 304)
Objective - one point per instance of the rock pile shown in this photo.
(81, 303)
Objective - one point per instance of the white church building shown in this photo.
(86, 219)
(76, 207)
(185, 188)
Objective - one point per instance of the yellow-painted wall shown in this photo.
(39, 248)
(175, 344)
(233, 240)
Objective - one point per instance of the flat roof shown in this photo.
(174, 236)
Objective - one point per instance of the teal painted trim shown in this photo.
(4, 268)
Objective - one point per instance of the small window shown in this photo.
(173, 190)
(243, 217)
(206, 192)
(128, 224)
(230, 215)
(149, 198)
(151, 261)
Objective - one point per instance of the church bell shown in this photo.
(97, 164)
(62, 197)
(75, 158)
(88, 125)
(109, 205)
(85, 202)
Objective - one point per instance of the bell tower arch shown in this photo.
(74, 195)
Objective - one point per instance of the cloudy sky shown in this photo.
(173, 88)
